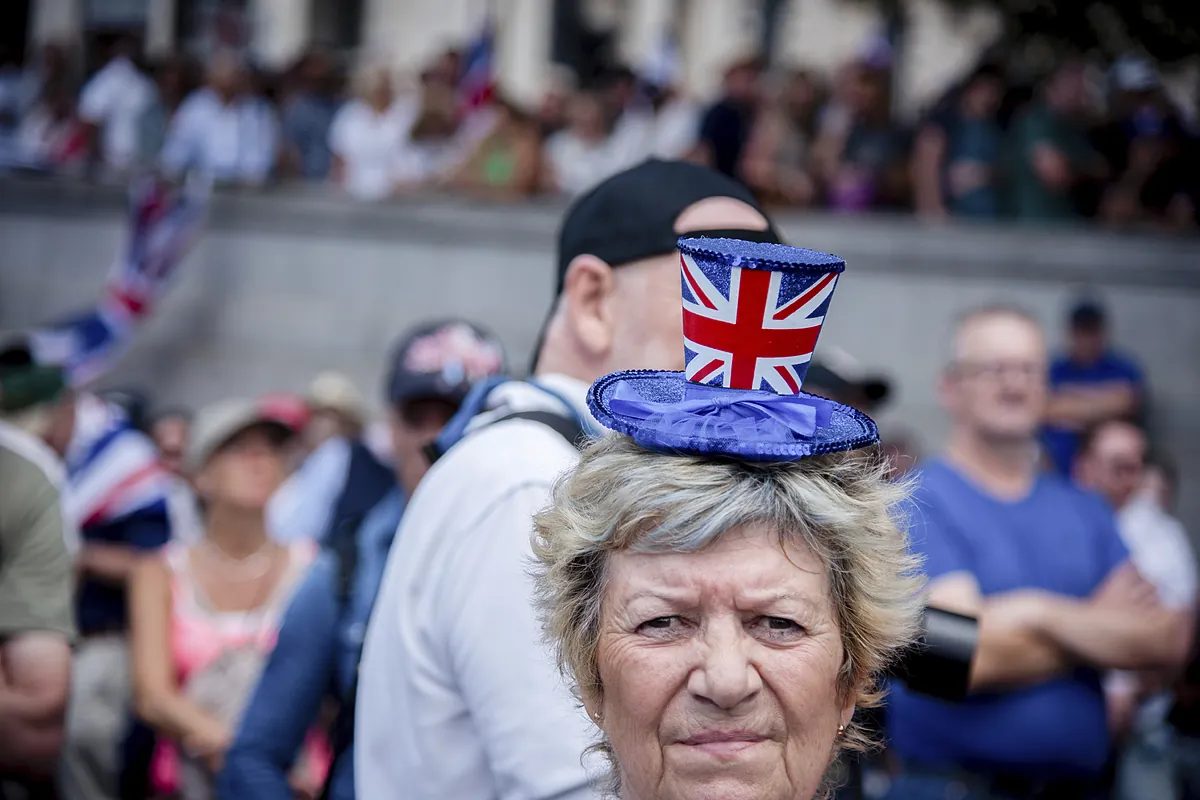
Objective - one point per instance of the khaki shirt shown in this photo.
(36, 539)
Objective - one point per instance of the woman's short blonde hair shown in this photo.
(843, 506)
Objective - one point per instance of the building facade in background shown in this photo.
(698, 37)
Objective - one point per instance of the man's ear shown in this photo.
(587, 299)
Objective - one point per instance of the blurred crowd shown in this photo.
(1087, 141)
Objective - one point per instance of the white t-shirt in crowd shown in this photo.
(369, 143)
(113, 100)
(1158, 546)
(230, 141)
(579, 165)
(676, 129)
(458, 694)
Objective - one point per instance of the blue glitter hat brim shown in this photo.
(761, 255)
(848, 429)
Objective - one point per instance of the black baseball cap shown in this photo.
(442, 360)
(631, 216)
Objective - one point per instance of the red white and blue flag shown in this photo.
(476, 84)
(163, 224)
(752, 328)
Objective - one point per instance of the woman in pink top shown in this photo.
(204, 616)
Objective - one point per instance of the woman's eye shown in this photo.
(661, 624)
(780, 627)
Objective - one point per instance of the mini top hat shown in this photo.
(752, 313)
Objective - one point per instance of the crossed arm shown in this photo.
(1028, 636)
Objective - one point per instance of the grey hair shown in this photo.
(622, 497)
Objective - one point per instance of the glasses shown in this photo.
(999, 370)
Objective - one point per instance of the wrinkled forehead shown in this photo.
(743, 567)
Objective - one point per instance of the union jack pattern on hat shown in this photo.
(752, 314)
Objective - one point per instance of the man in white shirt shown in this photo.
(458, 696)
(113, 102)
(224, 129)
(1112, 461)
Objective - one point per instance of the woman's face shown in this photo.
(244, 472)
(720, 671)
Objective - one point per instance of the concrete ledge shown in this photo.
(894, 244)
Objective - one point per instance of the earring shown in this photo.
(841, 730)
(597, 717)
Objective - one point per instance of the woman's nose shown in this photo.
(726, 676)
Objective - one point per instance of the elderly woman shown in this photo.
(726, 580)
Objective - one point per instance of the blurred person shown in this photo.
(1112, 462)
(367, 133)
(552, 111)
(112, 103)
(118, 495)
(777, 161)
(1090, 383)
(956, 157)
(204, 615)
(1049, 152)
(1147, 149)
(307, 117)
(333, 448)
(52, 137)
(436, 142)
(584, 154)
(861, 168)
(726, 125)
(38, 542)
(630, 116)
(445, 70)
(320, 637)
(504, 164)
(675, 126)
(1040, 563)
(223, 129)
(13, 103)
(458, 696)
(172, 83)
(170, 431)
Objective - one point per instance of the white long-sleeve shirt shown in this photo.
(458, 695)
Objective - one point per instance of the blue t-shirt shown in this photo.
(1058, 538)
(1112, 367)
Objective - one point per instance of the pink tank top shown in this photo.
(201, 635)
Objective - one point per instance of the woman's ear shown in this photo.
(587, 295)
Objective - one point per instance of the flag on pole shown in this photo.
(477, 82)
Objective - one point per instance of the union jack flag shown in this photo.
(760, 329)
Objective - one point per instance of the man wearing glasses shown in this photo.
(1041, 564)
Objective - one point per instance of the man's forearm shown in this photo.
(1008, 657)
(110, 563)
(1108, 639)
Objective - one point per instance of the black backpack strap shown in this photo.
(566, 427)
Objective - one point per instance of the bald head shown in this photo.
(631, 316)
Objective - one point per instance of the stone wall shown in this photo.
(282, 287)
